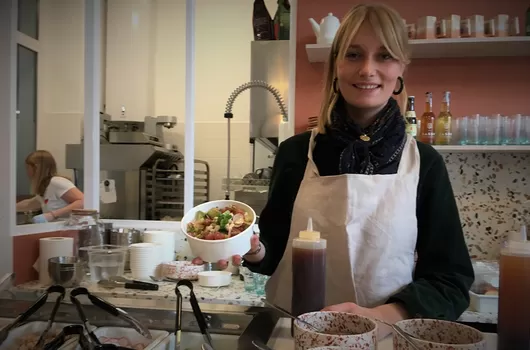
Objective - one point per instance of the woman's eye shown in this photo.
(386, 56)
(352, 55)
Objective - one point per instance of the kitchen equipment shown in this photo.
(91, 231)
(326, 31)
(228, 114)
(122, 282)
(66, 271)
(199, 317)
(437, 335)
(124, 237)
(215, 250)
(62, 292)
(336, 329)
(50, 247)
(215, 278)
(41, 301)
(109, 308)
(264, 173)
(164, 279)
(149, 181)
(60, 339)
(105, 261)
(288, 314)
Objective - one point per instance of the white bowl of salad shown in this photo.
(218, 230)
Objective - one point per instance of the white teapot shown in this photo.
(325, 32)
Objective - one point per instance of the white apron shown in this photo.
(369, 222)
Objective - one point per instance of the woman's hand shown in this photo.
(255, 254)
(390, 313)
(43, 218)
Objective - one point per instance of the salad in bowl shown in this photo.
(217, 230)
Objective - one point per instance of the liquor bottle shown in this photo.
(282, 20)
(527, 31)
(262, 22)
(442, 129)
(427, 121)
(410, 117)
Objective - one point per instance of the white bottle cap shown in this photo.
(309, 234)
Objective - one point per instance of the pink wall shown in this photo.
(477, 85)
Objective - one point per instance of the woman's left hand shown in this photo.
(371, 313)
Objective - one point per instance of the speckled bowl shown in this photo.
(328, 348)
(439, 335)
(351, 331)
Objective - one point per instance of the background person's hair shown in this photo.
(44, 168)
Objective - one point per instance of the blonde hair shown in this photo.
(44, 169)
(390, 29)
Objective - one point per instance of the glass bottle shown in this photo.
(427, 121)
(527, 30)
(442, 129)
(262, 22)
(410, 117)
(282, 20)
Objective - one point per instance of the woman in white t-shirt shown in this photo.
(55, 195)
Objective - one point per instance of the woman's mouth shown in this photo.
(368, 87)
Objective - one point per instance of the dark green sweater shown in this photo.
(443, 273)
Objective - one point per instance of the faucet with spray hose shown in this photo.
(228, 114)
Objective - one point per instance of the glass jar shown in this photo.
(91, 231)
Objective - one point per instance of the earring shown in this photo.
(401, 86)
(334, 85)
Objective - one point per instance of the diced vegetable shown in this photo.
(219, 223)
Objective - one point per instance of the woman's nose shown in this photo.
(367, 68)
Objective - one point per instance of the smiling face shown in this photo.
(368, 74)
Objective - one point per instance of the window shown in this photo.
(28, 18)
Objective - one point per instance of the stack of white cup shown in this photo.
(166, 239)
(145, 258)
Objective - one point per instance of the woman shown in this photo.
(55, 195)
(375, 194)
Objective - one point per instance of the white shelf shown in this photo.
(444, 48)
(485, 149)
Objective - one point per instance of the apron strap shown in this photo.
(311, 169)
(409, 157)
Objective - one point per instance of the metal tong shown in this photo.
(201, 321)
(60, 339)
(62, 292)
(30, 311)
(108, 307)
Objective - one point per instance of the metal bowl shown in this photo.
(66, 271)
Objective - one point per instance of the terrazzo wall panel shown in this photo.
(493, 195)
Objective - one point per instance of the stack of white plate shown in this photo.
(145, 258)
(166, 239)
